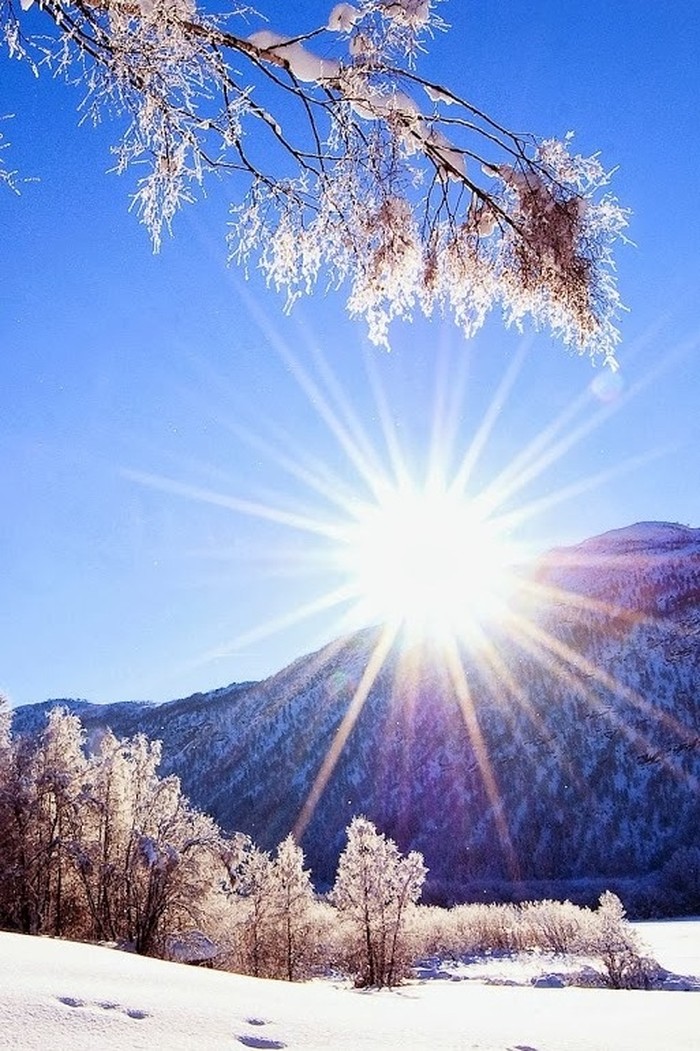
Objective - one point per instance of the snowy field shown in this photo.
(59, 995)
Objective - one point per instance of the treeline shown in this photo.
(94, 845)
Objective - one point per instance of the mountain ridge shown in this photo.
(569, 746)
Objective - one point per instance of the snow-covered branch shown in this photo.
(345, 161)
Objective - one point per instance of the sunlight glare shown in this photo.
(427, 560)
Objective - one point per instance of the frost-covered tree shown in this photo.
(147, 859)
(346, 161)
(374, 891)
(294, 898)
(41, 819)
(272, 916)
(253, 921)
(99, 847)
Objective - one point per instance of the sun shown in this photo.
(426, 560)
(418, 541)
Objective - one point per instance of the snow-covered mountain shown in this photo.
(567, 746)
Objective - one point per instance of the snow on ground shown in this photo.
(62, 995)
(674, 943)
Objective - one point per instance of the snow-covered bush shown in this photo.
(487, 928)
(541, 926)
(552, 926)
(432, 932)
(609, 937)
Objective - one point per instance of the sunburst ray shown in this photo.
(380, 469)
(463, 694)
(573, 668)
(372, 669)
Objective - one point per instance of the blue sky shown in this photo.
(118, 364)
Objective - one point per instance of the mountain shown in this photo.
(564, 744)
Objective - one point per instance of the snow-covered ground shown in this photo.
(59, 995)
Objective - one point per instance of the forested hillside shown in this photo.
(567, 747)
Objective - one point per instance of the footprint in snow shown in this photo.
(261, 1042)
(105, 1005)
(256, 1021)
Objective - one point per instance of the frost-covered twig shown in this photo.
(347, 162)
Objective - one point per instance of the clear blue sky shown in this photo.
(116, 361)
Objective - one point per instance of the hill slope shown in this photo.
(567, 746)
(73, 997)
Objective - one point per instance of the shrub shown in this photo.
(608, 936)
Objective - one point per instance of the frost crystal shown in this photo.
(412, 13)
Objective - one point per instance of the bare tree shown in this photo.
(346, 162)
